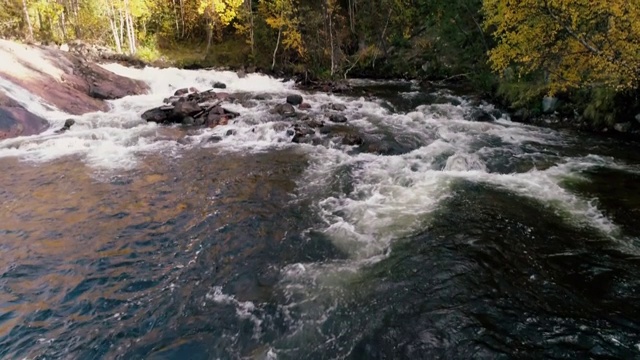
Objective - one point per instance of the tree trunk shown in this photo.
(251, 39)
(175, 15)
(27, 19)
(330, 13)
(182, 18)
(209, 39)
(275, 51)
(121, 15)
(114, 26)
(63, 28)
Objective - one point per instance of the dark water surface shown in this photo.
(532, 249)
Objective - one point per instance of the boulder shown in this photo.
(294, 99)
(67, 125)
(159, 115)
(352, 139)
(304, 106)
(338, 118)
(285, 110)
(521, 116)
(186, 108)
(181, 92)
(335, 107)
(219, 85)
(480, 115)
(241, 74)
(301, 132)
(17, 121)
(214, 119)
(188, 121)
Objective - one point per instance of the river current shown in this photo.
(456, 239)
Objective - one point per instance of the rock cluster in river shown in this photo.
(302, 123)
(190, 107)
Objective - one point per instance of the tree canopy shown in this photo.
(576, 43)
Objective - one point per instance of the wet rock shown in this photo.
(249, 104)
(262, 97)
(340, 87)
(67, 125)
(285, 110)
(193, 90)
(172, 100)
(241, 74)
(315, 123)
(158, 115)
(219, 85)
(17, 121)
(75, 85)
(186, 108)
(480, 115)
(497, 114)
(521, 116)
(294, 99)
(198, 120)
(301, 133)
(338, 118)
(352, 139)
(335, 107)
(188, 121)
(304, 106)
(230, 132)
(214, 119)
(622, 127)
(181, 92)
(214, 139)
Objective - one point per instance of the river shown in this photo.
(455, 239)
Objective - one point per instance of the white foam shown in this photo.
(115, 139)
(244, 309)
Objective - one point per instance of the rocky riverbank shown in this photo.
(63, 79)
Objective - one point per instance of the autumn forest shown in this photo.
(514, 51)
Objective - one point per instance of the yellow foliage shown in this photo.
(577, 43)
(222, 11)
(281, 15)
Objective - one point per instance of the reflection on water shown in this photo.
(89, 252)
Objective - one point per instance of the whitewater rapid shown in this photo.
(392, 194)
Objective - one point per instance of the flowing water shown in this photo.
(455, 239)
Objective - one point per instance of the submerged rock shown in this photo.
(294, 99)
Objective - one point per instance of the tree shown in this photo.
(218, 13)
(574, 43)
(281, 15)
